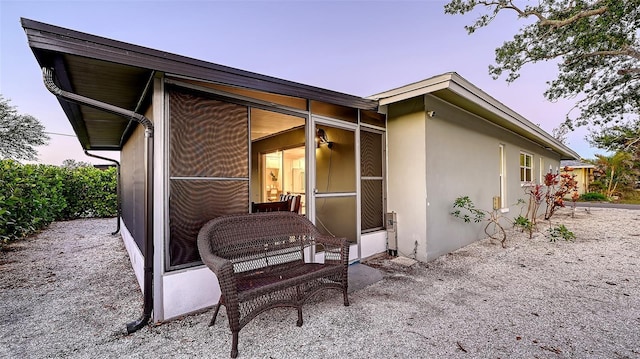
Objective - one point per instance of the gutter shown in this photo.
(118, 202)
(148, 200)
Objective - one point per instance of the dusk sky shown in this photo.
(356, 47)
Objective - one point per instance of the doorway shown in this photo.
(335, 191)
(283, 172)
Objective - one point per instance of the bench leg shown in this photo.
(299, 306)
(215, 315)
(346, 298)
(234, 345)
(299, 322)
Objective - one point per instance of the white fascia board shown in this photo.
(465, 89)
(412, 90)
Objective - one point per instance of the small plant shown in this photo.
(593, 196)
(559, 186)
(466, 204)
(524, 224)
(560, 231)
(478, 215)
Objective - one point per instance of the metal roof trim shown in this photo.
(42, 36)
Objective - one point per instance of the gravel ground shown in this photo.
(69, 291)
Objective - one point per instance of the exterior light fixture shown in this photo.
(321, 138)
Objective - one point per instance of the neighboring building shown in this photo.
(200, 140)
(582, 171)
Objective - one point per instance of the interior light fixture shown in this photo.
(321, 139)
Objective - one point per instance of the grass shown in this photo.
(632, 197)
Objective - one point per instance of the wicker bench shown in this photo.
(259, 260)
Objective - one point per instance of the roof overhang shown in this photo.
(456, 90)
(119, 73)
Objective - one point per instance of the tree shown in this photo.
(619, 138)
(560, 133)
(19, 134)
(596, 42)
(73, 164)
(614, 173)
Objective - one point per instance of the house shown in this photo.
(199, 140)
(582, 171)
(447, 138)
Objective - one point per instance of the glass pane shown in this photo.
(334, 111)
(191, 204)
(522, 176)
(336, 161)
(373, 118)
(372, 206)
(370, 154)
(337, 216)
(208, 137)
(521, 159)
(295, 102)
(277, 155)
(267, 124)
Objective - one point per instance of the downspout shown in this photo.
(118, 203)
(148, 198)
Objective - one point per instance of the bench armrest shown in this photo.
(223, 269)
(336, 249)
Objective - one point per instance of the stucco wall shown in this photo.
(406, 171)
(434, 160)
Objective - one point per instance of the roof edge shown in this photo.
(462, 87)
(145, 57)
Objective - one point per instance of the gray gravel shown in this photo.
(69, 291)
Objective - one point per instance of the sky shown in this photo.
(355, 47)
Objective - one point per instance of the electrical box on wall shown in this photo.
(496, 202)
(391, 223)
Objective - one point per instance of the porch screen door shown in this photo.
(335, 191)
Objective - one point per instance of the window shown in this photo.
(526, 167)
(372, 180)
(208, 168)
(503, 193)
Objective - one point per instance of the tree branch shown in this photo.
(635, 70)
(513, 7)
(574, 18)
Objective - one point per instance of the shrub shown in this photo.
(33, 196)
(593, 196)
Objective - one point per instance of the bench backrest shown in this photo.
(258, 240)
(270, 206)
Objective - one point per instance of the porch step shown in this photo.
(404, 261)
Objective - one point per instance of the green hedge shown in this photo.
(33, 196)
(593, 196)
